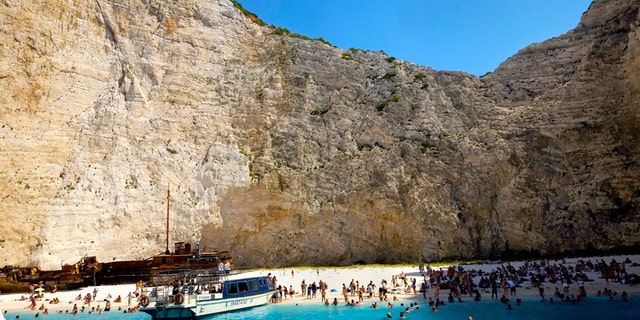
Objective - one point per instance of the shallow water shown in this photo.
(531, 308)
(594, 308)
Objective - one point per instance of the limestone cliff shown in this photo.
(288, 151)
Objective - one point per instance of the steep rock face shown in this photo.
(288, 151)
(110, 103)
(574, 110)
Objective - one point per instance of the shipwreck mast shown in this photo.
(168, 202)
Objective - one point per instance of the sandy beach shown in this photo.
(335, 277)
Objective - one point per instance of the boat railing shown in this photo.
(193, 276)
(165, 296)
(176, 295)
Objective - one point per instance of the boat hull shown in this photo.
(232, 304)
(171, 312)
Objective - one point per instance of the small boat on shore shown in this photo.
(192, 294)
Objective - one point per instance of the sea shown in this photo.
(530, 308)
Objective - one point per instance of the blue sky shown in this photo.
(461, 35)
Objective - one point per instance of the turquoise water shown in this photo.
(591, 308)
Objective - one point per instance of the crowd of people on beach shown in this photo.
(353, 294)
(88, 302)
(454, 284)
(437, 286)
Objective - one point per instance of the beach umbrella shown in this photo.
(39, 289)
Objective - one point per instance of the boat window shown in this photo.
(242, 286)
(253, 284)
(232, 288)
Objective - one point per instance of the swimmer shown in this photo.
(624, 296)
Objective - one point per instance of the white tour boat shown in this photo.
(192, 294)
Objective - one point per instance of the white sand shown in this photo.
(67, 299)
(334, 277)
